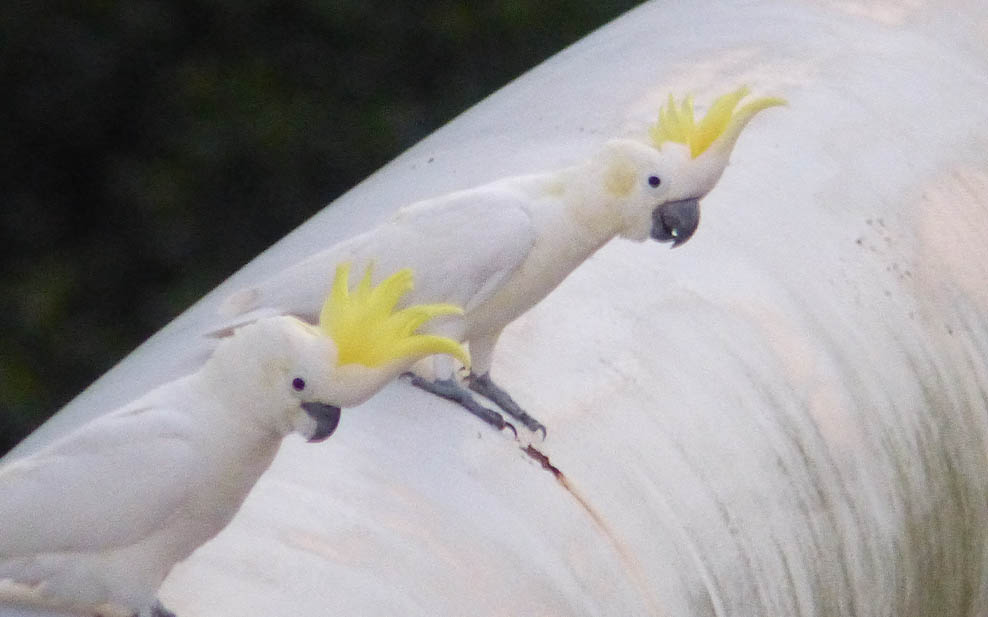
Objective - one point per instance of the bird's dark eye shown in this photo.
(298, 383)
(654, 181)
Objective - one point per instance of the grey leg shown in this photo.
(450, 390)
(484, 386)
(155, 610)
(161, 611)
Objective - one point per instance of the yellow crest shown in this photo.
(677, 124)
(368, 331)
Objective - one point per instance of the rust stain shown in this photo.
(632, 565)
(543, 460)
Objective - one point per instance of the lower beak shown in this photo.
(675, 221)
(327, 418)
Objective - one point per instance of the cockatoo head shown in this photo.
(660, 182)
(375, 343)
(300, 375)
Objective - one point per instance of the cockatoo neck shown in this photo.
(589, 203)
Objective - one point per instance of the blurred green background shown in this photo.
(155, 147)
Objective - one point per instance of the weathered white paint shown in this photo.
(787, 416)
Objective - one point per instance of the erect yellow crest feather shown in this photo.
(677, 124)
(368, 331)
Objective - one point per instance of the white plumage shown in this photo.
(95, 521)
(498, 249)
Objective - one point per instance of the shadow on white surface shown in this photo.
(784, 417)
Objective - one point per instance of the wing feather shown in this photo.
(461, 248)
(109, 484)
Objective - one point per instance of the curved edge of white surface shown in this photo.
(785, 416)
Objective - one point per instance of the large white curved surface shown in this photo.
(787, 416)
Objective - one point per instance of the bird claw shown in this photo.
(450, 390)
(484, 386)
(154, 610)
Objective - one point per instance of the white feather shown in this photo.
(101, 516)
(496, 250)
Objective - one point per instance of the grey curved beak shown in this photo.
(676, 221)
(327, 418)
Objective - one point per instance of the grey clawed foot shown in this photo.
(451, 391)
(161, 611)
(485, 386)
(156, 610)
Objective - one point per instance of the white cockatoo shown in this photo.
(498, 249)
(95, 521)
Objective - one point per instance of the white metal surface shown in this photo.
(787, 416)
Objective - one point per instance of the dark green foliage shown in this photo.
(153, 147)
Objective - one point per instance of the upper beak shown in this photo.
(676, 221)
(327, 418)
